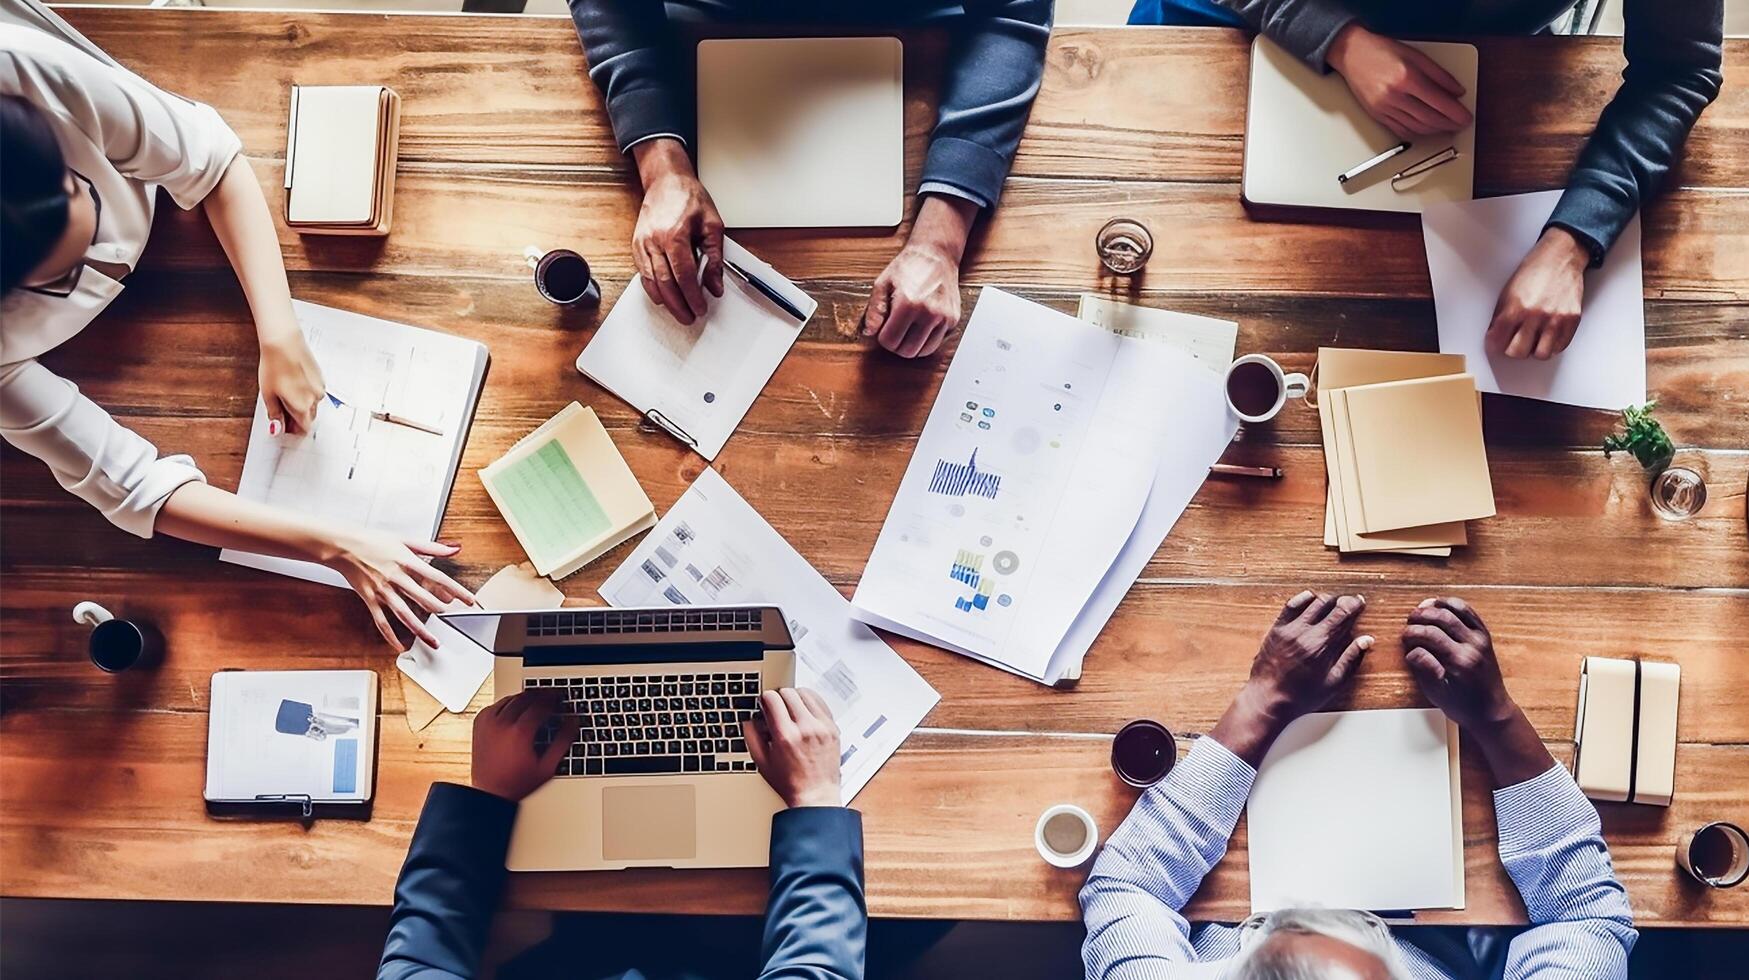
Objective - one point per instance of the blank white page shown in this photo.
(1359, 810)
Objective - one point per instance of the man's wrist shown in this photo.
(1336, 55)
(1564, 247)
(659, 157)
(1252, 723)
(943, 224)
(821, 796)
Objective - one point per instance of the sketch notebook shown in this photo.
(1303, 128)
(352, 468)
(292, 737)
(567, 493)
(1359, 810)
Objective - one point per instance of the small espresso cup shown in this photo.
(1065, 836)
(1257, 387)
(116, 645)
(1715, 854)
(562, 276)
(1143, 752)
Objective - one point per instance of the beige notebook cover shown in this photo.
(803, 132)
(1418, 454)
(1436, 539)
(567, 493)
(1303, 128)
(340, 156)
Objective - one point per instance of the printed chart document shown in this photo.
(1029, 477)
(1473, 247)
(1209, 341)
(353, 467)
(1359, 810)
(697, 381)
(283, 735)
(712, 547)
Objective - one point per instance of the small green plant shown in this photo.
(1642, 436)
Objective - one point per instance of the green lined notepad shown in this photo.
(567, 493)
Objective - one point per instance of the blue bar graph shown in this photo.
(959, 479)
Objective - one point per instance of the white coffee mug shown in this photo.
(1089, 836)
(1286, 386)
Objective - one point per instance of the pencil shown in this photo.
(1228, 469)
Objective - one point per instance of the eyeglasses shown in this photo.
(1422, 166)
(67, 284)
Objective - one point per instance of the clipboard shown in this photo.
(293, 744)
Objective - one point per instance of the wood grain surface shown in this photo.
(504, 144)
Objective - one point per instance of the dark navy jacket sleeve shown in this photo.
(634, 59)
(449, 886)
(816, 921)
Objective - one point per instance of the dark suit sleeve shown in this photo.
(633, 60)
(1305, 28)
(449, 886)
(1674, 53)
(816, 921)
(995, 67)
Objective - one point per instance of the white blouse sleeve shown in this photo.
(95, 457)
(147, 133)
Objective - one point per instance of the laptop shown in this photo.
(659, 775)
(803, 132)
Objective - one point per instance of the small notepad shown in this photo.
(1417, 453)
(297, 737)
(567, 493)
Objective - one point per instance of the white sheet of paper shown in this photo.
(1029, 476)
(1209, 341)
(1473, 247)
(713, 547)
(351, 468)
(1359, 810)
(700, 379)
(454, 671)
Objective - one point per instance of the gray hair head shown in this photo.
(1259, 959)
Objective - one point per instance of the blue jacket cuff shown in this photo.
(975, 169)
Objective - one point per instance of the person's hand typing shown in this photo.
(1403, 89)
(1305, 659)
(507, 761)
(1537, 314)
(795, 745)
(915, 302)
(677, 220)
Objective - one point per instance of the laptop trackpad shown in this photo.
(648, 823)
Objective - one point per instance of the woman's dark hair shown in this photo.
(33, 190)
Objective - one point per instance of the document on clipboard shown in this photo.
(697, 381)
(293, 740)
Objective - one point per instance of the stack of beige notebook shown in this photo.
(340, 159)
(1403, 446)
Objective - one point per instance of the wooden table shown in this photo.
(504, 144)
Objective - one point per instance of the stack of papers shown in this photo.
(713, 548)
(1054, 460)
(1359, 810)
(1403, 449)
(567, 493)
(340, 154)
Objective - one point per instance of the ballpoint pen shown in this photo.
(765, 290)
(383, 415)
(1362, 168)
(1228, 469)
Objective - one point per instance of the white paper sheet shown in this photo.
(698, 380)
(1029, 476)
(284, 732)
(1209, 341)
(355, 469)
(713, 547)
(1359, 810)
(454, 671)
(1473, 247)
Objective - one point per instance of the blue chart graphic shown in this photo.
(957, 480)
(968, 568)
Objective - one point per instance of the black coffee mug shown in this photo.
(562, 276)
(116, 645)
(1143, 752)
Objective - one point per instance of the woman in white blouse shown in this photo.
(86, 145)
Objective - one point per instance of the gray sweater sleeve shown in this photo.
(1304, 27)
(1674, 53)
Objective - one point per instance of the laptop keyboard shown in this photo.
(645, 724)
(618, 622)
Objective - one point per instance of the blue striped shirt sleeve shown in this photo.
(1155, 861)
(1551, 842)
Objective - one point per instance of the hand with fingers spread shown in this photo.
(915, 302)
(1537, 314)
(291, 383)
(396, 580)
(677, 225)
(1305, 659)
(1403, 89)
(508, 763)
(794, 742)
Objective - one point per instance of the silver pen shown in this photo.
(1375, 161)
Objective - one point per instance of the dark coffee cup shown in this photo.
(115, 644)
(1716, 854)
(562, 277)
(1143, 753)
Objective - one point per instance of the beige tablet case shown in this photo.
(805, 132)
(1303, 128)
(1418, 454)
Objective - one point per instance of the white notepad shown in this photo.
(1359, 810)
(1303, 128)
(356, 469)
(698, 381)
(291, 736)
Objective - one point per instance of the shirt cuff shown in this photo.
(1539, 812)
(973, 168)
(138, 512)
(1214, 781)
(655, 136)
(223, 146)
(948, 190)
